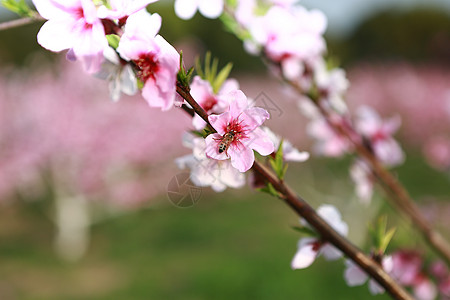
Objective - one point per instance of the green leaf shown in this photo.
(269, 189)
(210, 73)
(19, 7)
(305, 230)
(214, 66)
(198, 68)
(113, 40)
(277, 163)
(387, 239)
(184, 77)
(380, 237)
(207, 65)
(221, 77)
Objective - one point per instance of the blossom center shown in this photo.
(147, 65)
(380, 135)
(209, 103)
(237, 128)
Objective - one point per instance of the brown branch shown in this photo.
(399, 196)
(303, 209)
(19, 22)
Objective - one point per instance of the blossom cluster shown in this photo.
(87, 29)
(119, 40)
(237, 123)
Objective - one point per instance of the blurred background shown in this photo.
(84, 207)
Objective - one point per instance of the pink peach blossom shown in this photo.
(243, 124)
(156, 60)
(202, 92)
(185, 9)
(310, 248)
(73, 25)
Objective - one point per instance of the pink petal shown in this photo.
(90, 45)
(242, 158)
(330, 252)
(228, 86)
(375, 288)
(305, 255)
(292, 68)
(259, 141)
(201, 90)
(198, 122)
(169, 56)
(353, 275)
(185, 9)
(295, 155)
(56, 9)
(89, 11)
(254, 117)
(55, 35)
(238, 102)
(220, 122)
(212, 147)
(211, 8)
(155, 97)
(425, 290)
(333, 217)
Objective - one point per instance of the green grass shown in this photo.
(231, 245)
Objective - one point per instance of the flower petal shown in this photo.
(211, 8)
(353, 274)
(305, 255)
(254, 117)
(55, 35)
(185, 9)
(49, 9)
(238, 102)
(242, 157)
(212, 147)
(220, 122)
(375, 288)
(259, 141)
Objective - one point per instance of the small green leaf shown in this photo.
(387, 239)
(269, 189)
(221, 77)
(207, 65)
(113, 40)
(198, 68)
(189, 74)
(19, 7)
(214, 66)
(277, 163)
(305, 230)
(380, 237)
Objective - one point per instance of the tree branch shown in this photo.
(304, 210)
(398, 195)
(19, 22)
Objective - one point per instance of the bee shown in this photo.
(226, 140)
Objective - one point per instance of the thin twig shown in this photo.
(303, 209)
(399, 196)
(19, 22)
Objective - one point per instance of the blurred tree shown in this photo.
(418, 35)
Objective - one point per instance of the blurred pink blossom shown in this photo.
(73, 25)
(202, 92)
(418, 94)
(437, 153)
(379, 133)
(90, 146)
(355, 276)
(309, 248)
(156, 60)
